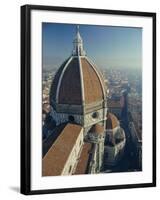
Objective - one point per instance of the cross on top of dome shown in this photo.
(78, 44)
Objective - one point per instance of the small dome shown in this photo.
(97, 128)
(112, 121)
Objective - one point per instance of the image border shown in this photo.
(26, 97)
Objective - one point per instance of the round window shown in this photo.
(95, 115)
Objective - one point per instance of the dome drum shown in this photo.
(78, 109)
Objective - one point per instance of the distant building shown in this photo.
(135, 108)
(135, 125)
(136, 137)
(124, 104)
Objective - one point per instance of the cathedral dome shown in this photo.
(77, 81)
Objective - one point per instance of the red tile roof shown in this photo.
(54, 161)
(70, 91)
(96, 128)
(92, 86)
(112, 121)
(82, 165)
(50, 140)
(70, 88)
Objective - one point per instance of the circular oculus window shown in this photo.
(95, 115)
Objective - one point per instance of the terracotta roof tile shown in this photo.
(55, 81)
(55, 159)
(70, 88)
(97, 129)
(92, 86)
(70, 91)
(82, 165)
(49, 141)
(112, 121)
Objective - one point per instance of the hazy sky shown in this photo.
(107, 46)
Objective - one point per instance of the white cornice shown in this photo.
(81, 79)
